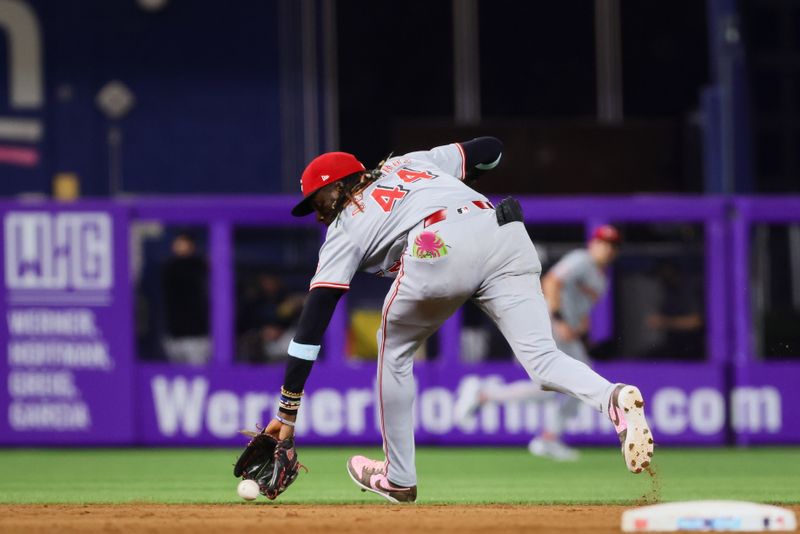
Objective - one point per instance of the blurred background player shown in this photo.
(266, 319)
(571, 288)
(678, 321)
(185, 288)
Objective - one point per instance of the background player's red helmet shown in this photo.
(608, 234)
(324, 170)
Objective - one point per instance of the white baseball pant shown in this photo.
(499, 268)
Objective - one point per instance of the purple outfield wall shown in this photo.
(72, 377)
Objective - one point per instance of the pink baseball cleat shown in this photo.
(626, 411)
(370, 475)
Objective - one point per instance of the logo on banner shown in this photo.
(191, 406)
(68, 252)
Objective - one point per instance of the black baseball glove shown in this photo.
(508, 210)
(271, 463)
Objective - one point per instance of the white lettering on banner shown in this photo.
(490, 413)
(59, 416)
(550, 415)
(513, 417)
(185, 406)
(327, 418)
(468, 425)
(756, 409)
(490, 418)
(527, 416)
(669, 411)
(50, 322)
(302, 424)
(582, 420)
(436, 410)
(531, 417)
(706, 411)
(64, 259)
(58, 251)
(357, 402)
(701, 411)
(604, 423)
(255, 404)
(37, 384)
(222, 414)
(179, 404)
(76, 355)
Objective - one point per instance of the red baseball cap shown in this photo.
(608, 234)
(323, 170)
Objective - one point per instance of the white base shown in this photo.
(719, 516)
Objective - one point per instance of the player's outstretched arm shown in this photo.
(551, 287)
(303, 351)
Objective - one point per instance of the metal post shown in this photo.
(308, 23)
(743, 322)
(450, 340)
(222, 294)
(716, 280)
(466, 62)
(330, 81)
(727, 64)
(291, 83)
(608, 55)
(602, 315)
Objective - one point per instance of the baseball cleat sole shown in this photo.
(637, 447)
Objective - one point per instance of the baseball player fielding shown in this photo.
(416, 219)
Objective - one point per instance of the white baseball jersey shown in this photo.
(583, 284)
(371, 235)
(463, 254)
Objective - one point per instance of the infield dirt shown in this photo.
(355, 519)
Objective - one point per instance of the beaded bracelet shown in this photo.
(289, 402)
(291, 410)
(291, 394)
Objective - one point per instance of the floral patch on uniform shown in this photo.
(428, 245)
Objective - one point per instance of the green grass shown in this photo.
(446, 475)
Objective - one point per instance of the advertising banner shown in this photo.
(686, 404)
(67, 325)
(764, 403)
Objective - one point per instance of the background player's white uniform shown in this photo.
(442, 259)
(583, 283)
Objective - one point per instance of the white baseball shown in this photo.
(247, 489)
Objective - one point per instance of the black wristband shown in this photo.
(557, 315)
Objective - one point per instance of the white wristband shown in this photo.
(304, 352)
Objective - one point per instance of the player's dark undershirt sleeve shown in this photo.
(482, 151)
(480, 155)
(314, 320)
